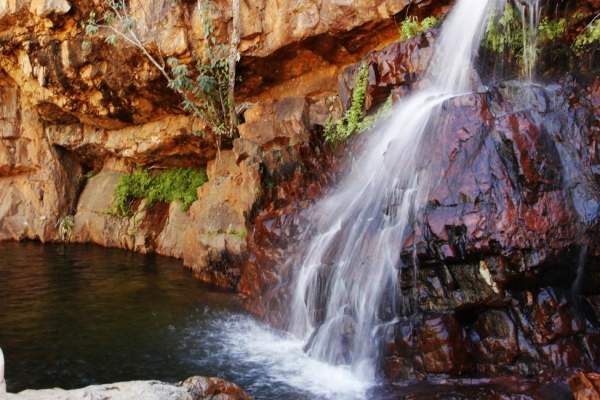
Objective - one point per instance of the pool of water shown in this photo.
(72, 316)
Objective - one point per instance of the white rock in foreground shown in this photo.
(2, 382)
(195, 388)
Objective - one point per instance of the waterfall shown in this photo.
(531, 12)
(346, 285)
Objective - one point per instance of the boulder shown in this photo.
(195, 388)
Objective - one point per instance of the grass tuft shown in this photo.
(179, 184)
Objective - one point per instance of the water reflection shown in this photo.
(72, 316)
(77, 315)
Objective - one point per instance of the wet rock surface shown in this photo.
(392, 71)
(507, 247)
(508, 243)
(505, 388)
(513, 230)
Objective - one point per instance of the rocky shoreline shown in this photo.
(194, 388)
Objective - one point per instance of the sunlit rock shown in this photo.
(195, 388)
(43, 8)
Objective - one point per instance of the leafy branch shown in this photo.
(589, 35)
(208, 92)
(411, 26)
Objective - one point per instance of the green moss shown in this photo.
(172, 185)
(504, 34)
(429, 23)
(551, 30)
(411, 26)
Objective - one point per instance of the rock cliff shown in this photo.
(500, 276)
(74, 119)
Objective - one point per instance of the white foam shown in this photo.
(282, 360)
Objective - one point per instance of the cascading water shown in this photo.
(346, 287)
(531, 12)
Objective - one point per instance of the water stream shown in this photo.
(530, 11)
(347, 286)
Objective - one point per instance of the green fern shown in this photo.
(411, 26)
(589, 36)
(504, 35)
(355, 119)
(65, 227)
(341, 130)
(551, 30)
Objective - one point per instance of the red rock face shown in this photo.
(277, 222)
(585, 386)
(513, 210)
(395, 70)
(507, 247)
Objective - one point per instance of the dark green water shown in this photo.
(77, 315)
(72, 316)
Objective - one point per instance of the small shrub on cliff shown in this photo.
(339, 131)
(208, 91)
(179, 184)
(65, 227)
(551, 30)
(504, 34)
(355, 120)
(411, 26)
(589, 36)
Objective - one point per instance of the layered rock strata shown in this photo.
(75, 118)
